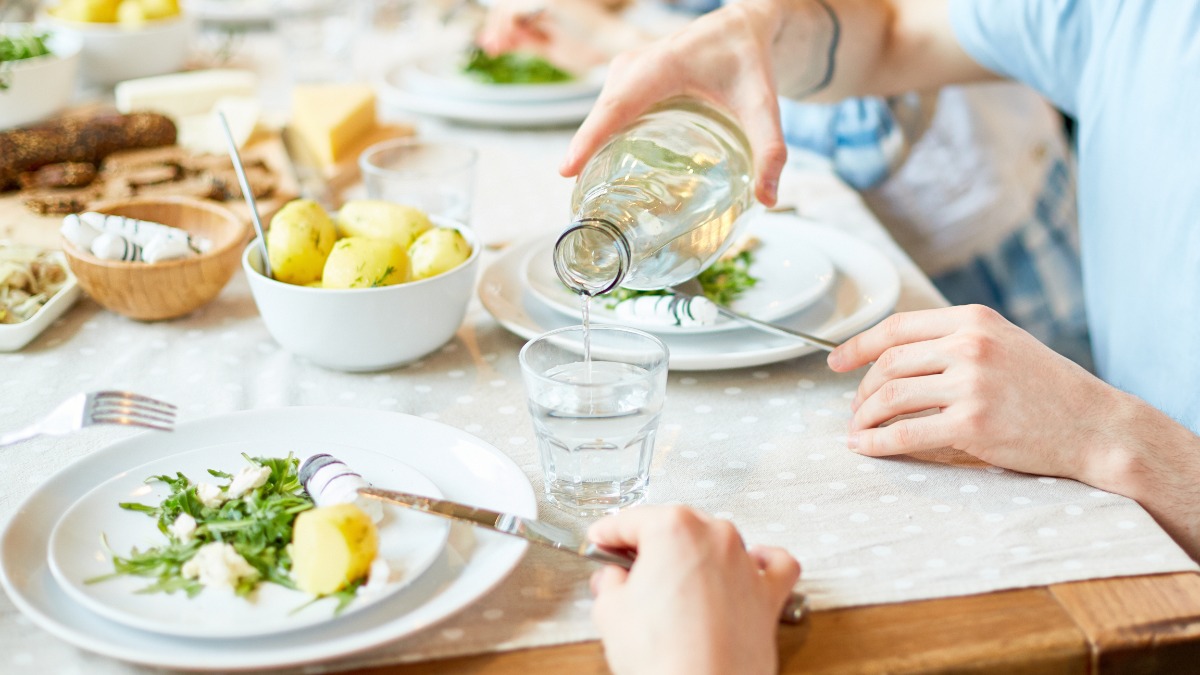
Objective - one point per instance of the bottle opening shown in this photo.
(591, 257)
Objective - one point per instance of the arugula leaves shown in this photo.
(258, 525)
(19, 47)
(723, 282)
(513, 68)
(24, 46)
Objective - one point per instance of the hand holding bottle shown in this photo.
(738, 76)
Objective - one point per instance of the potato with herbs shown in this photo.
(299, 241)
(382, 220)
(332, 547)
(438, 250)
(364, 262)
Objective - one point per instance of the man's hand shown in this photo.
(723, 58)
(1003, 396)
(696, 601)
(573, 34)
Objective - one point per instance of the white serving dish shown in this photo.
(365, 329)
(14, 336)
(43, 85)
(112, 52)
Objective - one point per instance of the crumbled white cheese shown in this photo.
(210, 495)
(184, 528)
(379, 577)
(218, 564)
(247, 479)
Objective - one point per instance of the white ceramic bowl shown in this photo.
(364, 329)
(14, 336)
(113, 53)
(43, 85)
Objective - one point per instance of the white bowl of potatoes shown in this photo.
(124, 39)
(372, 287)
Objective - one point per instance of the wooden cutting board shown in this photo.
(19, 224)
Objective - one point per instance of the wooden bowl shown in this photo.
(172, 288)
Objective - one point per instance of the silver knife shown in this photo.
(541, 533)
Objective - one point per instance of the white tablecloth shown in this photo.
(763, 446)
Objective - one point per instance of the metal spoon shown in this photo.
(241, 174)
(692, 288)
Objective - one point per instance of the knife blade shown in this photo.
(534, 531)
(541, 533)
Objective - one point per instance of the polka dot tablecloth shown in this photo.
(763, 447)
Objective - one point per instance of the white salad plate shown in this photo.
(396, 90)
(865, 290)
(792, 270)
(408, 541)
(440, 75)
(463, 467)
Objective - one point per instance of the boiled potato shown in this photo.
(332, 546)
(299, 241)
(382, 220)
(364, 262)
(131, 13)
(437, 251)
(158, 9)
(95, 11)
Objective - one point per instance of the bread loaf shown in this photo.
(88, 139)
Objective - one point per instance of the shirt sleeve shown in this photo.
(1042, 43)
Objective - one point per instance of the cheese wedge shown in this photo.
(330, 119)
(182, 94)
(202, 132)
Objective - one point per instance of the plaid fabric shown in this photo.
(1033, 278)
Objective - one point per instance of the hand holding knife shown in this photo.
(541, 533)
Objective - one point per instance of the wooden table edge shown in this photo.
(1126, 624)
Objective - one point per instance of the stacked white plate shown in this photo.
(435, 85)
(53, 544)
(812, 278)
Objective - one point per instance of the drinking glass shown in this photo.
(434, 176)
(319, 37)
(595, 418)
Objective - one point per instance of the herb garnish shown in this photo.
(24, 46)
(257, 524)
(513, 68)
(723, 282)
(17, 48)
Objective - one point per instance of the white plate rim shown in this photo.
(504, 297)
(393, 92)
(72, 587)
(28, 586)
(796, 303)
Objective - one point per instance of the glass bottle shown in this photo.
(659, 202)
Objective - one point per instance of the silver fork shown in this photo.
(98, 407)
(692, 288)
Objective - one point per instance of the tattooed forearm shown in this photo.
(819, 29)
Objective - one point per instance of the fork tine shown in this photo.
(136, 409)
(129, 421)
(130, 396)
(133, 414)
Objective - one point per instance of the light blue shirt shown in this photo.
(1129, 72)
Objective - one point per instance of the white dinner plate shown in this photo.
(409, 542)
(395, 90)
(793, 272)
(463, 467)
(865, 291)
(440, 75)
(231, 11)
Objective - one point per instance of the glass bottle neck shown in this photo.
(592, 257)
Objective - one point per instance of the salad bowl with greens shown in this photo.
(38, 70)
